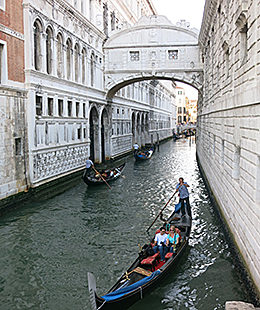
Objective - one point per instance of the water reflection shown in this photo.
(48, 247)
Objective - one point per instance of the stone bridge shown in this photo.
(153, 49)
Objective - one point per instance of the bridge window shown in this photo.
(173, 55)
(134, 56)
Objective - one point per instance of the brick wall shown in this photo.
(12, 18)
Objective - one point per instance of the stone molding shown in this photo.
(11, 32)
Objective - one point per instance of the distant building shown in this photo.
(192, 110)
(181, 105)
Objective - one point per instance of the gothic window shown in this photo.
(134, 56)
(37, 44)
(243, 44)
(60, 107)
(49, 50)
(38, 105)
(59, 55)
(92, 69)
(179, 110)
(68, 58)
(83, 65)
(173, 55)
(179, 92)
(76, 58)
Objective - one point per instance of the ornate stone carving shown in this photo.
(56, 162)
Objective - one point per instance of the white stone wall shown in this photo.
(228, 134)
(65, 78)
(13, 142)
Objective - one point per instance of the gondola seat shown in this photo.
(168, 255)
(151, 260)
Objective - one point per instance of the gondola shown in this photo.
(143, 155)
(145, 273)
(111, 174)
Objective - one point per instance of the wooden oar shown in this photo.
(161, 211)
(102, 177)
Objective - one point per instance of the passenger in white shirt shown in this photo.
(160, 243)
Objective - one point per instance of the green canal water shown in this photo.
(47, 247)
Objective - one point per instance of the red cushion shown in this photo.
(168, 255)
(148, 261)
(156, 255)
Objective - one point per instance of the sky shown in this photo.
(191, 11)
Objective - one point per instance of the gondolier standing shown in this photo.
(182, 187)
(89, 166)
(136, 148)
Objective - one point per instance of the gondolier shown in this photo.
(136, 148)
(89, 166)
(144, 275)
(182, 187)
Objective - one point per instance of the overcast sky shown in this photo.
(190, 10)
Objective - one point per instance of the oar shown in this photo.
(161, 212)
(102, 178)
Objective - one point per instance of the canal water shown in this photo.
(47, 247)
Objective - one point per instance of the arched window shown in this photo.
(68, 58)
(49, 50)
(59, 56)
(83, 64)
(37, 44)
(92, 69)
(76, 59)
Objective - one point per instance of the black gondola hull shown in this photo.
(128, 300)
(90, 180)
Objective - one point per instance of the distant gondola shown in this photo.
(108, 175)
(145, 274)
(143, 155)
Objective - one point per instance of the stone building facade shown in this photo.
(228, 128)
(61, 114)
(13, 129)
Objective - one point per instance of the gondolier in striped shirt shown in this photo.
(182, 187)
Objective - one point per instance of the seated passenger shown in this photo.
(172, 239)
(160, 243)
